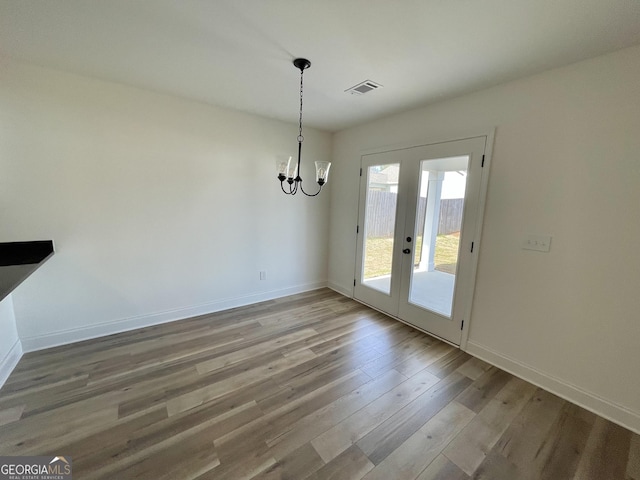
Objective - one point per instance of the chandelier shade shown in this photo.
(289, 169)
(322, 172)
(282, 166)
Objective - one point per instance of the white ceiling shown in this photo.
(238, 53)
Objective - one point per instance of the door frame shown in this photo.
(489, 133)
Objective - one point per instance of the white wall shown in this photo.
(10, 346)
(566, 162)
(160, 208)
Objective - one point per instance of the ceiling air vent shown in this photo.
(363, 87)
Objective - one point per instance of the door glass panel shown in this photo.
(379, 225)
(437, 233)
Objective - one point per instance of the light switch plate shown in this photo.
(539, 243)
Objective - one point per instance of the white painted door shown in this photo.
(418, 218)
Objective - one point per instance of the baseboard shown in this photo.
(64, 337)
(9, 362)
(341, 289)
(590, 401)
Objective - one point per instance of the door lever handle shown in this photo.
(406, 250)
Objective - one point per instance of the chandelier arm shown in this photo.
(310, 194)
(282, 187)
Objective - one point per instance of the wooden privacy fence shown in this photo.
(381, 209)
(450, 215)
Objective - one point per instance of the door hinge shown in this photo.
(361, 171)
(354, 282)
(471, 247)
(462, 325)
(482, 165)
(357, 229)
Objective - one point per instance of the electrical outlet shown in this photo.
(263, 275)
(539, 243)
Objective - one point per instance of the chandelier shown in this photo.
(290, 171)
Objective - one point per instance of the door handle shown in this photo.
(406, 250)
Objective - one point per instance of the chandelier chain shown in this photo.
(300, 137)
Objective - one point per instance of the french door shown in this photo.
(418, 216)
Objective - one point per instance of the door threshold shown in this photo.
(407, 323)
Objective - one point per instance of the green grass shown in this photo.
(378, 254)
(377, 259)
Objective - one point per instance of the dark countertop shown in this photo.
(18, 260)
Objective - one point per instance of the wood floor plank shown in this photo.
(633, 465)
(264, 347)
(298, 464)
(315, 402)
(474, 368)
(187, 352)
(342, 435)
(357, 336)
(482, 390)
(384, 439)
(307, 428)
(313, 386)
(42, 400)
(309, 376)
(402, 352)
(497, 467)
(160, 436)
(442, 469)
(423, 358)
(566, 442)
(36, 432)
(351, 464)
(38, 383)
(606, 453)
(246, 466)
(96, 443)
(186, 460)
(211, 392)
(525, 442)
(187, 383)
(448, 363)
(470, 448)
(289, 413)
(409, 459)
(12, 414)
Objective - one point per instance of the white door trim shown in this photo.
(484, 187)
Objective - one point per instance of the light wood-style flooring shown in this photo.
(312, 386)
